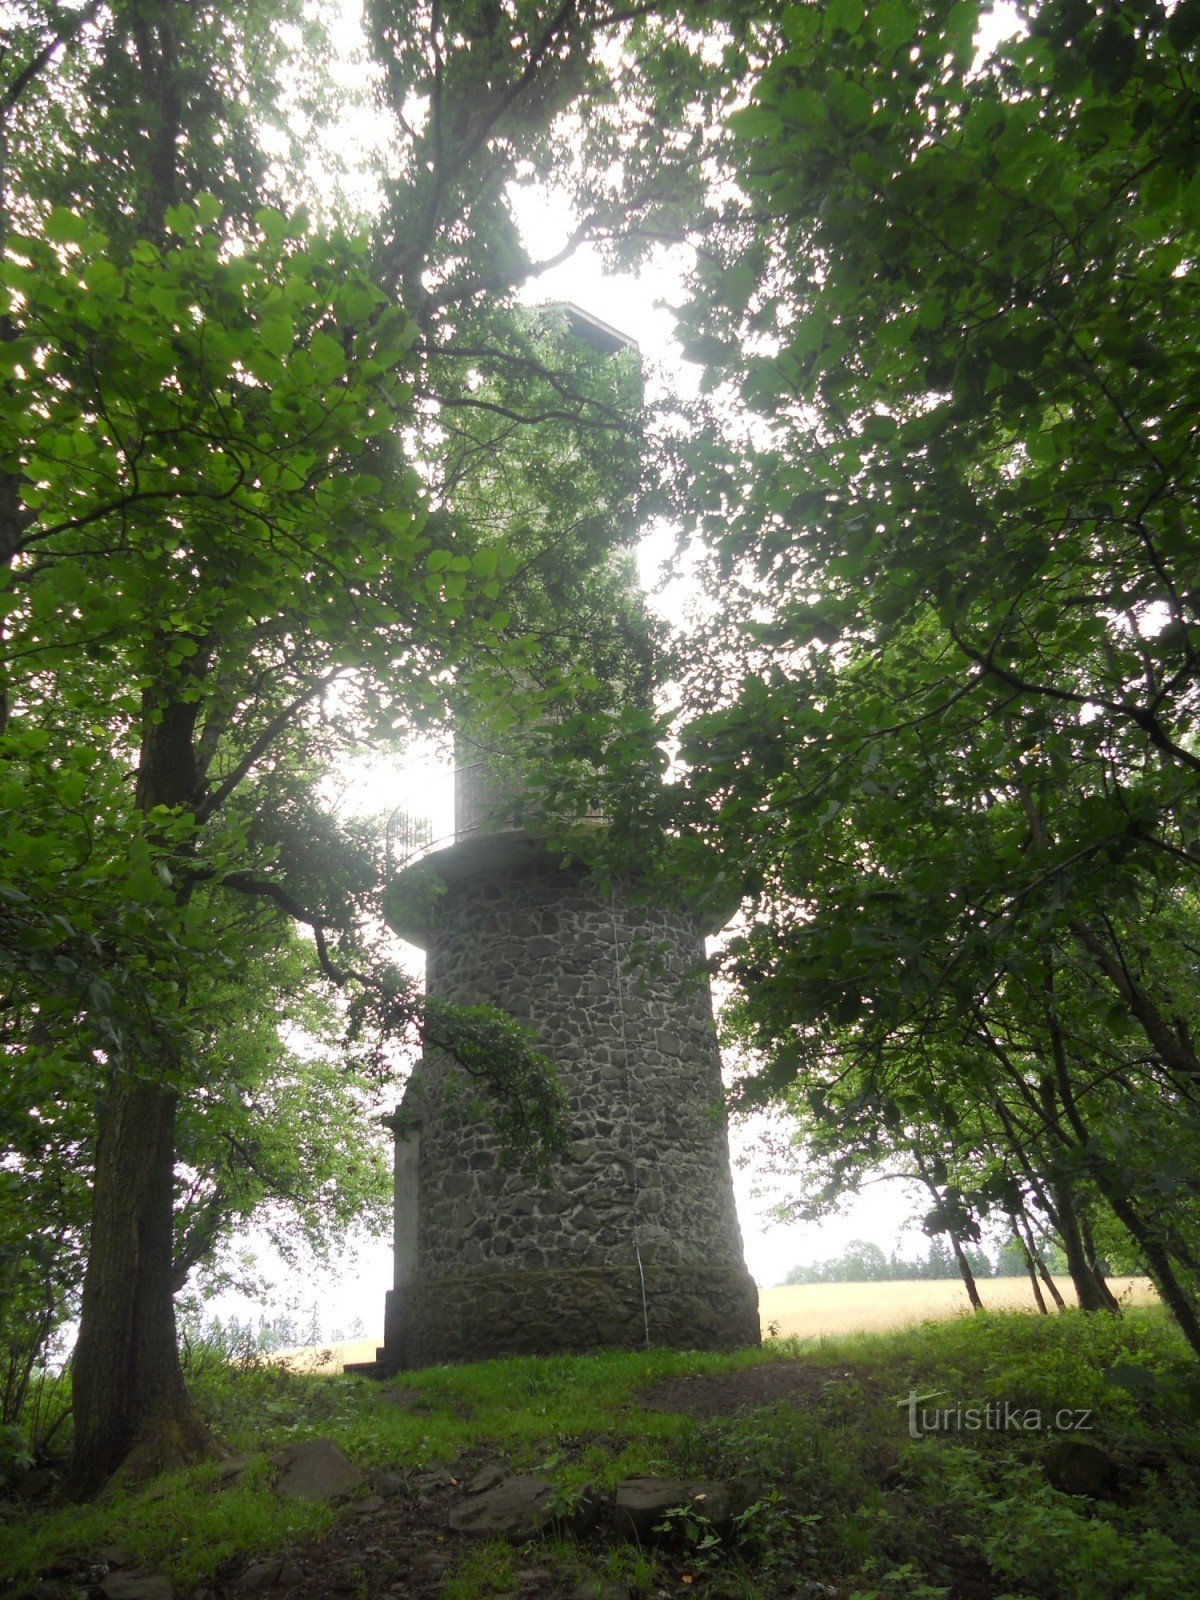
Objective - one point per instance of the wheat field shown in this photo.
(814, 1310)
(811, 1310)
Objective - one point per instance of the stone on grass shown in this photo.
(520, 1508)
(438, 1478)
(231, 1469)
(530, 1577)
(642, 1507)
(405, 1399)
(134, 1586)
(316, 1469)
(487, 1479)
(74, 1566)
(1076, 1466)
(262, 1575)
(387, 1483)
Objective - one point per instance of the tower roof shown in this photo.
(591, 331)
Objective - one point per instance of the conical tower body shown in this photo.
(631, 1241)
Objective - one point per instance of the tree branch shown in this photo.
(62, 36)
(214, 801)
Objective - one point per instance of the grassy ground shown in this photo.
(821, 1310)
(839, 1499)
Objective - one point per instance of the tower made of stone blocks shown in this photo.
(633, 1240)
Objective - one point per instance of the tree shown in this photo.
(229, 447)
(941, 737)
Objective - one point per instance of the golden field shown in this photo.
(813, 1310)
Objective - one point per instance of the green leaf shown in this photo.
(180, 220)
(277, 334)
(705, 350)
(845, 16)
(880, 427)
(850, 105)
(273, 227)
(104, 280)
(208, 209)
(65, 227)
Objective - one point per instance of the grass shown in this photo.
(834, 1489)
(486, 1569)
(821, 1310)
(181, 1528)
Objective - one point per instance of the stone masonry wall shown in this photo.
(616, 995)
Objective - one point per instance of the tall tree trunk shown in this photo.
(960, 1255)
(1093, 1260)
(132, 1411)
(1092, 1295)
(1176, 1296)
(1044, 1274)
(1030, 1268)
(964, 1268)
(1158, 1257)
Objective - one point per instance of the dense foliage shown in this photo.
(269, 489)
(943, 725)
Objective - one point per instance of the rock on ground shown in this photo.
(1076, 1466)
(517, 1508)
(132, 1586)
(316, 1469)
(642, 1505)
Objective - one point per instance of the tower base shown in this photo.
(476, 1316)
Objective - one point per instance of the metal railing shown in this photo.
(408, 838)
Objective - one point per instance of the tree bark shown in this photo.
(1091, 1294)
(1035, 1255)
(1030, 1268)
(1175, 1295)
(1093, 1259)
(960, 1255)
(132, 1411)
(964, 1267)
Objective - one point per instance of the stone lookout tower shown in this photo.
(633, 1239)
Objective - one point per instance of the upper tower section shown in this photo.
(556, 497)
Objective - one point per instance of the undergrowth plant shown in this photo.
(830, 1484)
